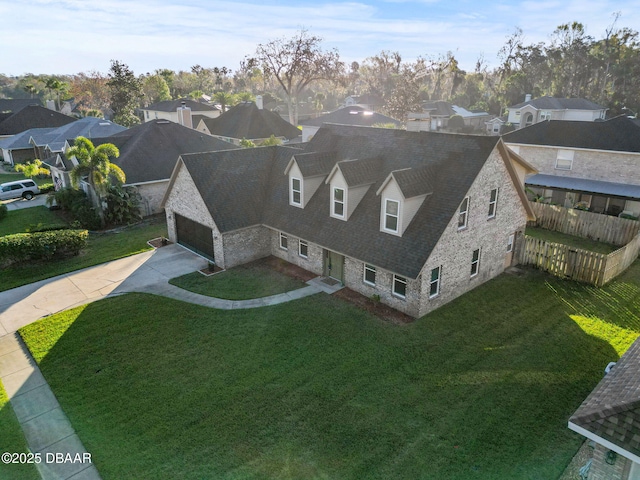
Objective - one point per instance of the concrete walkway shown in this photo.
(46, 427)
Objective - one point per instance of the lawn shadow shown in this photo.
(480, 388)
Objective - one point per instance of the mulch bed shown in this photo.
(210, 270)
(159, 242)
(286, 268)
(378, 309)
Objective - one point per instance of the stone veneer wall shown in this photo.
(603, 166)
(314, 261)
(455, 248)
(601, 470)
(246, 245)
(152, 194)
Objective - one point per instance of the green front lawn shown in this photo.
(17, 221)
(571, 240)
(479, 389)
(12, 440)
(102, 247)
(252, 280)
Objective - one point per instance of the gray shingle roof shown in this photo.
(173, 105)
(33, 116)
(88, 127)
(148, 152)
(360, 172)
(245, 120)
(612, 409)
(14, 104)
(439, 107)
(354, 115)
(312, 164)
(247, 187)
(552, 103)
(618, 134)
(585, 185)
(21, 140)
(416, 181)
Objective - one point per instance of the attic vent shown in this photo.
(354, 112)
(162, 122)
(104, 124)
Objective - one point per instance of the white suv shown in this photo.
(22, 188)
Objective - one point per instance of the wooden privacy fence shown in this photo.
(596, 226)
(576, 264)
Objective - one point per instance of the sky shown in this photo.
(73, 36)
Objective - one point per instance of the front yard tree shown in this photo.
(126, 91)
(94, 164)
(296, 63)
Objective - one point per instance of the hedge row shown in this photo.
(22, 247)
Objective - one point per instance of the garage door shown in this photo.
(195, 236)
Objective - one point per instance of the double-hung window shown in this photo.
(369, 274)
(493, 202)
(510, 242)
(399, 286)
(338, 202)
(283, 241)
(475, 262)
(434, 283)
(463, 214)
(303, 249)
(391, 215)
(296, 191)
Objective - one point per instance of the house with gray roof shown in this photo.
(248, 121)
(357, 115)
(416, 218)
(179, 111)
(148, 153)
(541, 109)
(31, 116)
(595, 165)
(18, 148)
(12, 105)
(610, 417)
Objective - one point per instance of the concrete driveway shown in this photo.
(19, 203)
(23, 305)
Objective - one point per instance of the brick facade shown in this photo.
(606, 166)
(601, 470)
(152, 194)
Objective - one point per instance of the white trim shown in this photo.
(494, 203)
(292, 191)
(306, 244)
(437, 281)
(605, 443)
(476, 262)
(145, 183)
(286, 239)
(565, 155)
(510, 242)
(393, 286)
(466, 214)
(343, 202)
(384, 216)
(364, 274)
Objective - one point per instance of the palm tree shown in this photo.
(94, 163)
(224, 99)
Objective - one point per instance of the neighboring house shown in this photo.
(433, 117)
(541, 109)
(31, 116)
(148, 153)
(416, 218)
(246, 120)
(18, 148)
(494, 126)
(179, 111)
(476, 120)
(356, 115)
(367, 101)
(610, 417)
(593, 164)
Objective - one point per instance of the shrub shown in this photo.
(3, 211)
(46, 188)
(42, 227)
(80, 207)
(123, 205)
(22, 247)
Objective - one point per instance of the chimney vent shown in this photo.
(527, 97)
(259, 102)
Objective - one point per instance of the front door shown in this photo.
(334, 265)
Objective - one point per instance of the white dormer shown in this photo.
(349, 181)
(401, 195)
(306, 172)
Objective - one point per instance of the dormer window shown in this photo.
(338, 202)
(296, 192)
(391, 215)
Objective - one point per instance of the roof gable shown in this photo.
(33, 116)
